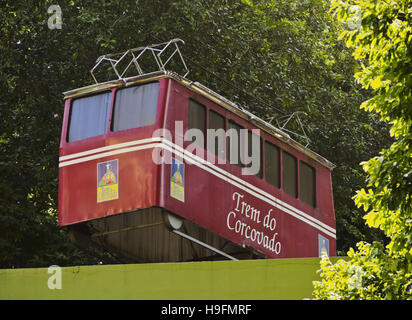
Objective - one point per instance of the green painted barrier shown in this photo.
(211, 280)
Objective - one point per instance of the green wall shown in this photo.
(246, 279)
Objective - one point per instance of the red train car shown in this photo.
(131, 178)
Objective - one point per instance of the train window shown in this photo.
(307, 182)
(234, 143)
(89, 116)
(289, 176)
(217, 123)
(135, 107)
(253, 156)
(272, 167)
(196, 117)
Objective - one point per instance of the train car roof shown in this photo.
(209, 94)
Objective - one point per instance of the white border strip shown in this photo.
(246, 184)
(295, 213)
(115, 146)
(107, 154)
(136, 145)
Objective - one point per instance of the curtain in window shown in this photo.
(135, 106)
(89, 116)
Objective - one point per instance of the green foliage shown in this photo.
(369, 274)
(272, 57)
(384, 43)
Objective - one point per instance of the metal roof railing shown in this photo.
(162, 54)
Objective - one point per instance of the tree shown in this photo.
(383, 44)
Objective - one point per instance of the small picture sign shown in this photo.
(323, 245)
(107, 181)
(177, 180)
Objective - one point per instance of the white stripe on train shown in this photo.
(143, 144)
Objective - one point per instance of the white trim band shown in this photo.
(143, 144)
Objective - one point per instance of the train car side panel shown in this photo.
(242, 208)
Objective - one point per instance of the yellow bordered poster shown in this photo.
(177, 180)
(107, 181)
